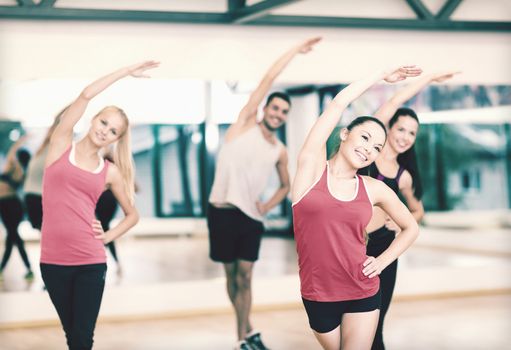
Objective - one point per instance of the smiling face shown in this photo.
(403, 133)
(275, 113)
(107, 127)
(362, 144)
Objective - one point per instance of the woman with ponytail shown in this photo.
(397, 167)
(73, 259)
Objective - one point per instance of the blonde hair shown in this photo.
(123, 158)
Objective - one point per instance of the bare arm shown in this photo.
(63, 134)
(131, 216)
(313, 153)
(414, 205)
(387, 110)
(283, 190)
(386, 199)
(248, 113)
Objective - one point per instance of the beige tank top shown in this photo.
(34, 178)
(243, 168)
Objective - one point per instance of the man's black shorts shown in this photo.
(233, 235)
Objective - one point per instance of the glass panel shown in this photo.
(143, 142)
(180, 174)
(468, 162)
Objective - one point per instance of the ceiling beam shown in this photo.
(449, 7)
(234, 5)
(420, 10)
(53, 13)
(376, 23)
(258, 10)
(25, 3)
(66, 14)
(47, 3)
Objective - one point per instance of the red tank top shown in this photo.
(70, 195)
(330, 242)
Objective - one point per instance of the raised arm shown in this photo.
(311, 158)
(63, 134)
(249, 112)
(387, 110)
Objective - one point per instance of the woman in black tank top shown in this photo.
(11, 209)
(396, 167)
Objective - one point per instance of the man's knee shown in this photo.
(244, 280)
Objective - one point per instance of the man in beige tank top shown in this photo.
(246, 159)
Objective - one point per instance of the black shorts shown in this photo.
(325, 316)
(233, 235)
(379, 241)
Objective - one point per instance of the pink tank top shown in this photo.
(330, 242)
(70, 195)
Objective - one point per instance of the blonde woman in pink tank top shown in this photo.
(331, 208)
(73, 260)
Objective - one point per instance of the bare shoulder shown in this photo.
(377, 189)
(283, 149)
(238, 128)
(56, 148)
(113, 174)
(370, 182)
(405, 181)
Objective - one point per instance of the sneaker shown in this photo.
(29, 276)
(255, 342)
(243, 345)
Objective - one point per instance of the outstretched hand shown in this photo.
(137, 70)
(309, 44)
(443, 76)
(402, 73)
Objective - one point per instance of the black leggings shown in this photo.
(11, 212)
(105, 211)
(379, 241)
(33, 203)
(76, 293)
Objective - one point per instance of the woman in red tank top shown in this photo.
(331, 206)
(73, 260)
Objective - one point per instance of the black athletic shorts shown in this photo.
(325, 316)
(233, 235)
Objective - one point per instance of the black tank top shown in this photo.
(372, 170)
(10, 181)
